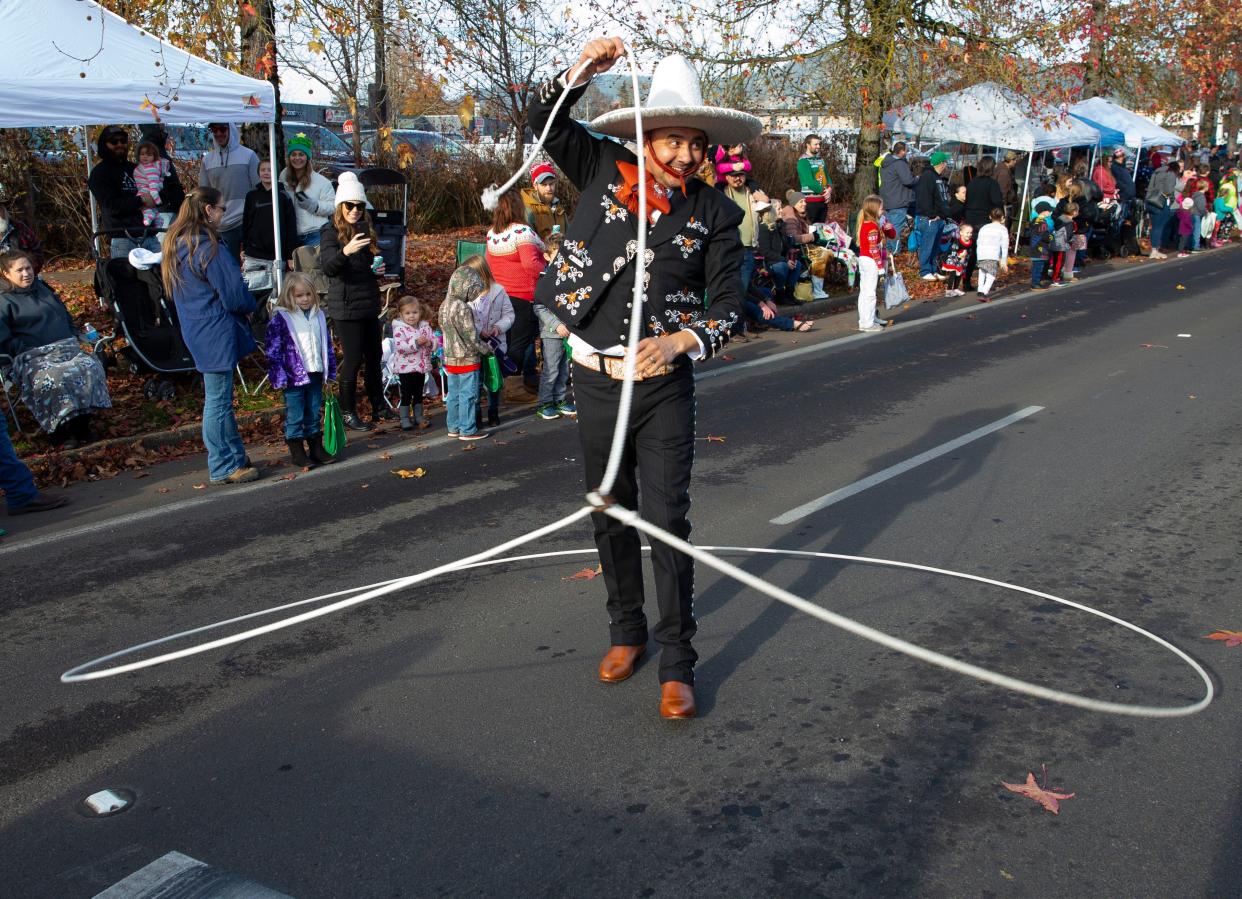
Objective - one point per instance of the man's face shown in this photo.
(546, 189)
(118, 145)
(940, 168)
(221, 134)
(736, 180)
(812, 147)
(681, 149)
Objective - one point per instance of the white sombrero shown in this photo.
(675, 99)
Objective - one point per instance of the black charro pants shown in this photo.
(659, 454)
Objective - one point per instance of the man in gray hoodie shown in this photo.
(896, 189)
(234, 171)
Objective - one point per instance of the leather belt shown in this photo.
(614, 366)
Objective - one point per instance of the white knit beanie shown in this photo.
(349, 189)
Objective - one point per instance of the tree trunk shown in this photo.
(380, 108)
(258, 59)
(1205, 129)
(1094, 78)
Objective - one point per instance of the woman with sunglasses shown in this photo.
(347, 250)
(213, 308)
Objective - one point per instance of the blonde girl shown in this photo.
(299, 359)
(870, 230)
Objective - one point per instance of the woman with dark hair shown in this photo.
(213, 308)
(59, 383)
(983, 194)
(348, 254)
(515, 256)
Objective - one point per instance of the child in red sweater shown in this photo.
(871, 231)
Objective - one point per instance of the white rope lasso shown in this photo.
(597, 503)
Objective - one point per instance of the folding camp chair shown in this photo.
(468, 248)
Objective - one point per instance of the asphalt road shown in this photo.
(452, 739)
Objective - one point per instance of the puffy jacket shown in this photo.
(353, 289)
(213, 307)
(896, 182)
(770, 241)
(314, 205)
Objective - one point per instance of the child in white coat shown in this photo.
(992, 252)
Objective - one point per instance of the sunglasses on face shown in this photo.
(354, 207)
(118, 139)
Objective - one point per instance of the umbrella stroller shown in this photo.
(389, 194)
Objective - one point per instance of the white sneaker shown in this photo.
(872, 329)
(1156, 254)
(930, 277)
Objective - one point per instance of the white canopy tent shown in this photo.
(1121, 127)
(79, 64)
(992, 115)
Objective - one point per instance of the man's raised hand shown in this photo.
(600, 54)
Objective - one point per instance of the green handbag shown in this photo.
(334, 438)
(493, 380)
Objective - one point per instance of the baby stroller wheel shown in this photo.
(1124, 252)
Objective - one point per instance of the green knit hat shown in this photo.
(937, 158)
(301, 142)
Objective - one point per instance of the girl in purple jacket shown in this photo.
(299, 359)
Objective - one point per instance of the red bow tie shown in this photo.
(628, 192)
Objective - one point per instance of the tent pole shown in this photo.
(86, 152)
(279, 266)
(1026, 186)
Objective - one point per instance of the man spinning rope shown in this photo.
(692, 297)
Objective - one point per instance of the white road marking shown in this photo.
(901, 467)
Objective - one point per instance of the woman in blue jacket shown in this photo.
(213, 307)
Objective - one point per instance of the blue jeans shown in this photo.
(755, 312)
(225, 451)
(929, 243)
(1037, 271)
(555, 375)
(748, 268)
(1196, 232)
(463, 402)
(1161, 216)
(15, 478)
(122, 245)
(896, 218)
(309, 239)
(303, 407)
(784, 277)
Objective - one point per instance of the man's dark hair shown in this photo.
(899, 146)
(806, 141)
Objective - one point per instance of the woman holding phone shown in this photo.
(348, 256)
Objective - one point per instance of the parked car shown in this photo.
(415, 143)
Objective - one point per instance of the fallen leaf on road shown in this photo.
(386, 456)
(727, 358)
(200, 486)
(585, 574)
(1153, 346)
(372, 446)
(365, 486)
(469, 448)
(1231, 638)
(1005, 874)
(141, 474)
(162, 490)
(287, 477)
(1049, 799)
(712, 438)
(1191, 396)
(404, 473)
(1181, 287)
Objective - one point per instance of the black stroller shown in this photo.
(389, 193)
(145, 319)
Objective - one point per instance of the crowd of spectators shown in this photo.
(219, 249)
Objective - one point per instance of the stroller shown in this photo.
(435, 384)
(145, 319)
(389, 217)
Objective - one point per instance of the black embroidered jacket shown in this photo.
(693, 252)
